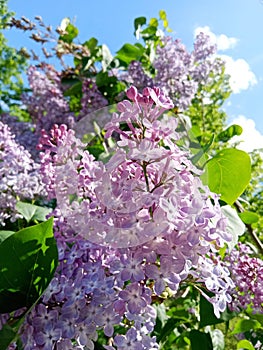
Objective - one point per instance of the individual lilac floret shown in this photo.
(48, 336)
(135, 296)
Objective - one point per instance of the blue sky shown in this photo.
(236, 25)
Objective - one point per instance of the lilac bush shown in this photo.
(134, 224)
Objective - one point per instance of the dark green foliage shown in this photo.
(28, 260)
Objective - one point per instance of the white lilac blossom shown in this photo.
(19, 176)
(126, 230)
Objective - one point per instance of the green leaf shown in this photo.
(149, 32)
(248, 217)
(258, 317)
(96, 150)
(244, 325)
(200, 154)
(207, 316)
(28, 260)
(229, 173)
(200, 340)
(74, 89)
(154, 22)
(91, 44)
(161, 313)
(7, 335)
(71, 31)
(170, 325)
(162, 15)
(138, 22)
(4, 235)
(231, 131)
(245, 344)
(32, 212)
(103, 79)
(109, 86)
(129, 52)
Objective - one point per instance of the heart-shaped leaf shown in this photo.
(229, 173)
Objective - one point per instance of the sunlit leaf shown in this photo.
(153, 22)
(244, 325)
(162, 15)
(4, 235)
(244, 344)
(229, 173)
(231, 131)
(248, 217)
(129, 52)
(71, 31)
(32, 212)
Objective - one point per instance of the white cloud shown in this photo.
(222, 41)
(250, 138)
(241, 76)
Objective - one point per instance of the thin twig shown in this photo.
(250, 230)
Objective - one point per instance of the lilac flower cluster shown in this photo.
(23, 132)
(136, 75)
(179, 72)
(19, 175)
(92, 99)
(247, 274)
(126, 231)
(46, 104)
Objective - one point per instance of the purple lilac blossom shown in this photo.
(92, 99)
(24, 134)
(177, 71)
(19, 176)
(126, 230)
(247, 274)
(46, 104)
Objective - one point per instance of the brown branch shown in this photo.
(250, 230)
